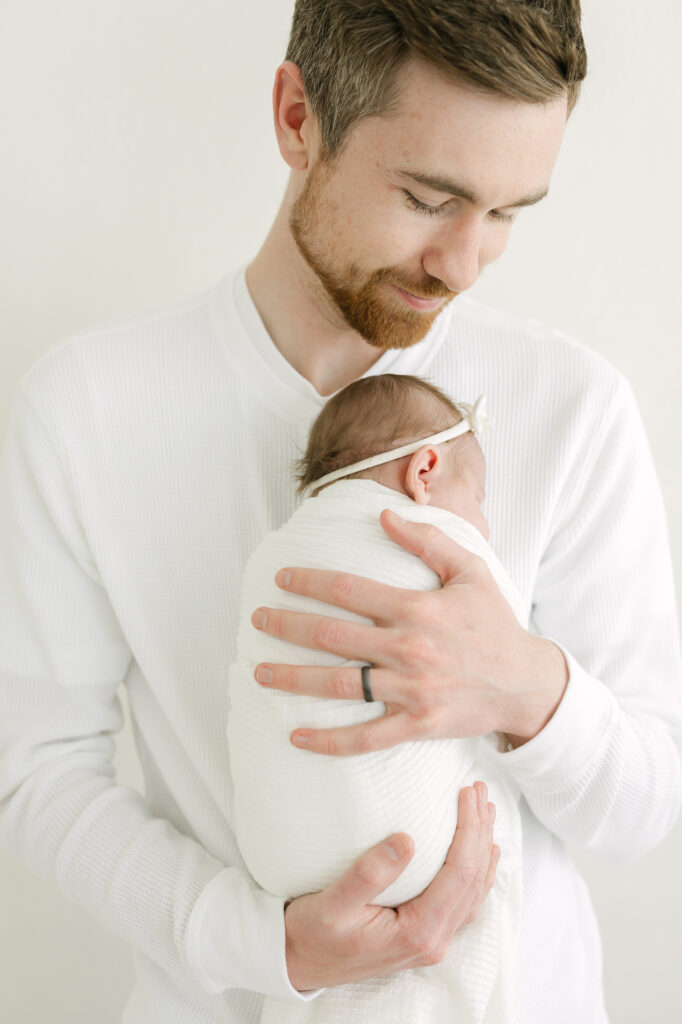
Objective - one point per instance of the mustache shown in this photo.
(426, 288)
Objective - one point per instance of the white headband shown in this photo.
(475, 419)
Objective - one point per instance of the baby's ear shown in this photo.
(422, 469)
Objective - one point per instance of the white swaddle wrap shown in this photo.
(303, 818)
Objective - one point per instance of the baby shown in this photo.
(301, 819)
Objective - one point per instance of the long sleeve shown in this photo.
(604, 774)
(62, 658)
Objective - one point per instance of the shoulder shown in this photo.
(517, 360)
(117, 355)
(513, 337)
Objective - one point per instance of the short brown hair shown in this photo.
(349, 52)
(372, 415)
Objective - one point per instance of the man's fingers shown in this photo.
(367, 877)
(379, 734)
(487, 885)
(379, 602)
(342, 683)
(352, 640)
(447, 900)
(486, 812)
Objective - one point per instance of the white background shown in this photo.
(139, 165)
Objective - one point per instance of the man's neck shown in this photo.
(299, 316)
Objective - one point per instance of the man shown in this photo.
(145, 461)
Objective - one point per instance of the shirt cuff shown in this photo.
(236, 939)
(573, 733)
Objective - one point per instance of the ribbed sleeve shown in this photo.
(605, 773)
(63, 657)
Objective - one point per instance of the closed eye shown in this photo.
(416, 204)
(437, 211)
(507, 218)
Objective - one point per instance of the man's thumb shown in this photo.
(370, 874)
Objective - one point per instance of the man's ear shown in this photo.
(294, 121)
(422, 469)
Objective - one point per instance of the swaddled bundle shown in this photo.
(302, 818)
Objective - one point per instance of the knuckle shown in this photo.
(327, 745)
(369, 873)
(412, 605)
(366, 741)
(343, 586)
(437, 954)
(429, 952)
(427, 535)
(287, 677)
(326, 633)
(344, 682)
(275, 622)
(416, 651)
(469, 875)
(426, 721)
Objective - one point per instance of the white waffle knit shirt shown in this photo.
(144, 462)
(302, 820)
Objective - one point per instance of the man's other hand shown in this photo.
(338, 936)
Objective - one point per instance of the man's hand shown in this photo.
(452, 662)
(337, 936)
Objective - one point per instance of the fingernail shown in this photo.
(283, 578)
(300, 741)
(258, 619)
(264, 675)
(394, 850)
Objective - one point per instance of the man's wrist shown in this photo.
(548, 678)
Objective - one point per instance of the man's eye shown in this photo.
(415, 204)
(506, 218)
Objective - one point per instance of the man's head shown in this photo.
(351, 52)
(381, 413)
(416, 132)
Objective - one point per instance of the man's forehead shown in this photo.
(459, 141)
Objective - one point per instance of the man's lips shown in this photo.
(415, 302)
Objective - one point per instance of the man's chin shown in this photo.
(386, 330)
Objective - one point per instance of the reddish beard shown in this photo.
(380, 319)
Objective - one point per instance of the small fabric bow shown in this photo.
(479, 421)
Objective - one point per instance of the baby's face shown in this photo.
(462, 488)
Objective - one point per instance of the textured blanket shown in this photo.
(302, 818)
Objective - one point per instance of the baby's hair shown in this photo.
(371, 415)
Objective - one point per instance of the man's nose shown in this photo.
(453, 256)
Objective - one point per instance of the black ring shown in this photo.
(366, 688)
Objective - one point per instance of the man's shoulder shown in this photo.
(512, 339)
(120, 349)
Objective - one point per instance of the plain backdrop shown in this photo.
(139, 165)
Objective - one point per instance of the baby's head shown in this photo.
(382, 413)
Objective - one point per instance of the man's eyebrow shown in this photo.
(446, 185)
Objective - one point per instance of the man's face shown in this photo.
(420, 200)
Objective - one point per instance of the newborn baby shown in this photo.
(301, 819)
